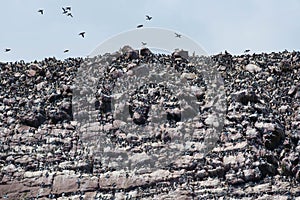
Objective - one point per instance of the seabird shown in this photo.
(78, 182)
(67, 50)
(247, 50)
(177, 35)
(140, 26)
(144, 43)
(82, 34)
(7, 50)
(70, 14)
(64, 11)
(41, 11)
(68, 8)
(148, 17)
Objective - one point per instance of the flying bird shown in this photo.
(177, 35)
(41, 11)
(247, 50)
(82, 34)
(148, 17)
(7, 50)
(144, 43)
(66, 51)
(64, 11)
(70, 15)
(68, 8)
(140, 26)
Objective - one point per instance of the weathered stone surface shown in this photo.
(89, 183)
(252, 68)
(65, 184)
(252, 175)
(43, 154)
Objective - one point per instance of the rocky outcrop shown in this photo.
(43, 156)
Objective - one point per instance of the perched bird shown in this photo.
(177, 35)
(78, 182)
(148, 17)
(41, 11)
(68, 8)
(247, 50)
(144, 43)
(82, 34)
(66, 51)
(70, 15)
(64, 11)
(140, 26)
(7, 50)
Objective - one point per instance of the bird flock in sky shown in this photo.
(68, 12)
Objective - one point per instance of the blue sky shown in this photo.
(262, 26)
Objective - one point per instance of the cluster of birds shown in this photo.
(148, 18)
(67, 11)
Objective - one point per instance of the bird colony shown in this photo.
(256, 155)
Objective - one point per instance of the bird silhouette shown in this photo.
(82, 34)
(66, 51)
(70, 15)
(64, 11)
(148, 17)
(177, 35)
(68, 8)
(144, 43)
(247, 50)
(140, 26)
(41, 11)
(7, 50)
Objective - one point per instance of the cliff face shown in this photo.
(43, 154)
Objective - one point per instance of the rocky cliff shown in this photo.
(256, 154)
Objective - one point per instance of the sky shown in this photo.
(232, 25)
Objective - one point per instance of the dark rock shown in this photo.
(245, 96)
(219, 172)
(267, 169)
(130, 53)
(139, 118)
(59, 116)
(273, 134)
(67, 107)
(285, 66)
(285, 167)
(145, 52)
(33, 119)
(53, 97)
(180, 54)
